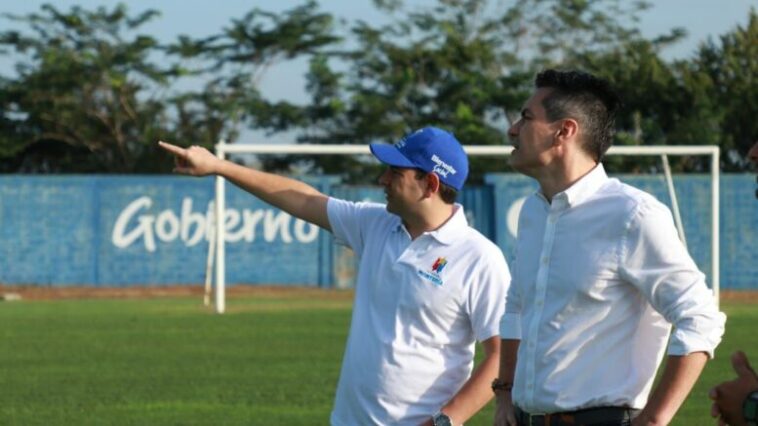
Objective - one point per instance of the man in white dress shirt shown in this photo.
(429, 286)
(600, 276)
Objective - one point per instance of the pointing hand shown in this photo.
(194, 161)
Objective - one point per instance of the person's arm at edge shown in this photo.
(504, 410)
(476, 392)
(729, 397)
(294, 197)
(679, 376)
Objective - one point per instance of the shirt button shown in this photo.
(545, 260)
(539, 302)
(553, 219)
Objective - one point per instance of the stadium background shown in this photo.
(123, 231)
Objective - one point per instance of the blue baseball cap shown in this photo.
(430, 149)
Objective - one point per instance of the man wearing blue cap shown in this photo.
(428, 286)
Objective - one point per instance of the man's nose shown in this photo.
(513, 130)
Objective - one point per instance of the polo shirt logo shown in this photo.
(439, 264)
(434, 275)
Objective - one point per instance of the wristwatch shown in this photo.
(750, 409)
(441, 419)
(501, 385)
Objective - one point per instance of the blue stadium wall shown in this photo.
(116, 231)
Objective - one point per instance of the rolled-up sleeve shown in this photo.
(658, 264)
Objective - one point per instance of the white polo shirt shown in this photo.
(419, 307)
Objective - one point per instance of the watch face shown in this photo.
(750, 408)
(442, 420)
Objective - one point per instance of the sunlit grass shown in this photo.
(271, 359)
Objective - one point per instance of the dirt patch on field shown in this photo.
(146, 292)
(747, 296)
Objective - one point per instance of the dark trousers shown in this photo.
(601, 416)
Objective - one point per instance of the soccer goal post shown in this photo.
(217, 242)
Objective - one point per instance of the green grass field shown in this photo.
(271, 359)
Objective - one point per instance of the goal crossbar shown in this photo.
(222, 149)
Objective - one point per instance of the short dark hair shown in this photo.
(447, 192)
(586, 98)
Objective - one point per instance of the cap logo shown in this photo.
(441, 167)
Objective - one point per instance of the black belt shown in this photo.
(588, 416)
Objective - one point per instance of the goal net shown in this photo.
(216, 248)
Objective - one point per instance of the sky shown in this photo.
(197, 18)
(701, 18)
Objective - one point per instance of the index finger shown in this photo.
(176, 150)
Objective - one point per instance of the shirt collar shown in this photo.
(587, 186)
(582, 189)
(450, 231)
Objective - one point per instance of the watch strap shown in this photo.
(750, 409)
(441, 419)
(500, 385)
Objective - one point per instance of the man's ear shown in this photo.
(568, 129)
(432, 183)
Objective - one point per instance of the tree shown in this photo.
(463, 65)
(90, 96)
(86, 98)
(731, 67)
(707, 100)
(233, 63)
(90, 93)
(660, 101)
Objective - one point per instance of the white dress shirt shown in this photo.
(420, 306)
(600, 276)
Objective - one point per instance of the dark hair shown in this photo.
(447, 192)
(587, 99)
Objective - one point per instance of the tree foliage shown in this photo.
(730, 68)
(92, 94)
(83, 99)
(89, 96)
(235, 61)
(463, 65)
